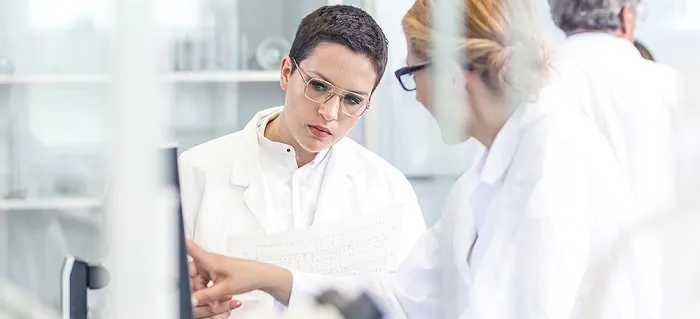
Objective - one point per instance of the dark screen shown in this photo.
(172, 179)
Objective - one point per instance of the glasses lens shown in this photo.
(354, 104)
(317, 90)
(408, 81)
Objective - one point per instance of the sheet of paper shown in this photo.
(352, 247)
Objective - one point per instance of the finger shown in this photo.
(209, 294)
(192, 269)
(198, 283)
(197, 253)
(226, 299)
(235, 303)
(214, 310)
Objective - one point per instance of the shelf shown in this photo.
(58, 203)
(175, 77)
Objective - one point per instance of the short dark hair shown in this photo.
(346, 25)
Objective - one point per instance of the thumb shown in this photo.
(209, 294)
(198, 254)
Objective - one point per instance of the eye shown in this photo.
(318, 86)
(351, 99)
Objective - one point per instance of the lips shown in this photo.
(319, 131)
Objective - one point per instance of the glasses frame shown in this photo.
(335, 91)
(409, 70)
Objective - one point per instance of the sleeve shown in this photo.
(412, 292)
(191, 191)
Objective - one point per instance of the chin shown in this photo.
(453, 138)
(313, 145)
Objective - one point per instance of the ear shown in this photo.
(627, 19)
(465, 78)
(285, 72)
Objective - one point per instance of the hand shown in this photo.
(233, 276)
(221, 309)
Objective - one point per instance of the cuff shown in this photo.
(304, 288)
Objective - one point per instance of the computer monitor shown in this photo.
(77, 276)
(172, 179)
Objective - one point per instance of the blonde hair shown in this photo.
(502, 44)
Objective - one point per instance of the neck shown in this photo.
(618, 33)
(277, 131)
(491, 119)
(486, 133)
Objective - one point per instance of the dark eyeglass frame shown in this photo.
(409, 70)
(334, 90)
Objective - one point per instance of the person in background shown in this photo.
(293, 166)
(643, 51)
(519, 230)
(633, 101)
(653, 271)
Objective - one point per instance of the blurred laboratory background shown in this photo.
(220, 62)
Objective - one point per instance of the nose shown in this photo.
(329, 109)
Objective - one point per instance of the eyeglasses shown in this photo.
(406, 77)
(320, 91)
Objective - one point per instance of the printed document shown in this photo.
(352, 247)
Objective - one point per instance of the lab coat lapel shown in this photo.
(494, 265)
(247, 172)
(336, 200)
(462, 220)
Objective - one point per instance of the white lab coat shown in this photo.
(634, 102)
(223, 195)
(563, 200)
(650, 274)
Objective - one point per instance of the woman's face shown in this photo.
(319, 125)
(423, 82)
(424, 95)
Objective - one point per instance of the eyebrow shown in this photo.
(318, 74)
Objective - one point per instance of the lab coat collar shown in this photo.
(246, 171)
(278, 150)
(247, 167)
(604, 44)
(344, 159)
(344, 164)
(497, 159)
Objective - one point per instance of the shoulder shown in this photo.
(214, 153)
(372, 164)
(563, 146)
(568, 134)
(225, 149)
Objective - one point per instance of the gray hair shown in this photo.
(592, 15)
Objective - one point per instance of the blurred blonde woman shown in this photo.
(519, 228)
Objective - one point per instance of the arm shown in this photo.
(234, 276)
(413, 291)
